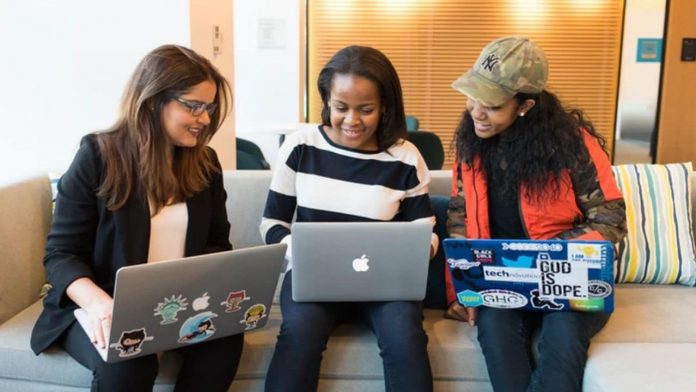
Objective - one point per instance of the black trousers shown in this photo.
(207, 366)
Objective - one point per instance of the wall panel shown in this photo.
(432, 42)
(677, 117)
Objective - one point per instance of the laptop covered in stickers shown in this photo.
(171, 304)
(360, 261)
(534, 275)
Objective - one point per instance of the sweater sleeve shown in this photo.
(282, 197)
(598, 197)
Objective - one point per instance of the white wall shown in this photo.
(63, 67)
(267, 69)
(639, 84)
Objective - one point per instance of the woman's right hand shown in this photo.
(100, 317)
(99, 307)
(461, 313)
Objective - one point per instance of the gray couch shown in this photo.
(649, 343)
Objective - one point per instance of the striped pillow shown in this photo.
(659, 246)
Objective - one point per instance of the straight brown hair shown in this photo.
(134, 149)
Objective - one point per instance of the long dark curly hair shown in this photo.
(536, 148)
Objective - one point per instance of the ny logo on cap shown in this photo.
(490, 62)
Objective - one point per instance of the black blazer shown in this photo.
(86, 239)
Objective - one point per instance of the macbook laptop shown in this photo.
(546, 275)
(360, 261)
(171, 304)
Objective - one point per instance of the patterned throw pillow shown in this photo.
(659, 247)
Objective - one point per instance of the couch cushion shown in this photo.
(54, 369)
(353, 353)
(629, 367)
(659, 245)
(651, 314)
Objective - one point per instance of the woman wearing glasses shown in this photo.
(146, 189)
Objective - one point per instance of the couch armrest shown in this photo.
(25, 217)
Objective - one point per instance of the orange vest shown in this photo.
(540, 221)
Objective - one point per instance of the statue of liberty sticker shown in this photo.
(169, 308)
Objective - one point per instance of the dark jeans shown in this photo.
(207, 366)
(307, 326)
(564, 337)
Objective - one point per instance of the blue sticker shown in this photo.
(197, 328)
(469, 298)
(520, 262)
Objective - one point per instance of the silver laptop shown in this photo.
(171, 304)
(360, 261)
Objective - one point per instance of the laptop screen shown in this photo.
(536, 275)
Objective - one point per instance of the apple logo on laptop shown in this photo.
(360, 264)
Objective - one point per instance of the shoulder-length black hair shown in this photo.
(536, 148)
(371, 64)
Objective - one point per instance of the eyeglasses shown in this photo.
(197, 108)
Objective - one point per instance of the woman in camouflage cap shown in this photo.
(529, 169)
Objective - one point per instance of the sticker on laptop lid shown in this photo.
(169, 308)
(485, 256)
(562, 279)
(591, 254)
(543, 303)
(252, 315)
(234, 299)
(197, 328)
(201, 303)
(130, 342)
(469, 298)
(521, 261)
(533, 246)
(503, 299)
(598, 289)
(587, 305)
(462, 264)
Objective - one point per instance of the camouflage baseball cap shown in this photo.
(505, 67)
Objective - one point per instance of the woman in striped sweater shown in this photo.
(355, 166)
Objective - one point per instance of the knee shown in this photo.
(403, 332)
(494, 324)
(131, 375)
(303, 337)
(566, 349)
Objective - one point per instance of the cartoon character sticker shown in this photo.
(234, 299)
(197, 328)
(130, 342)
(169, 309)
(252, 315)
(541, 303)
